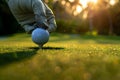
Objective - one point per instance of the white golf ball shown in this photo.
(40, 36)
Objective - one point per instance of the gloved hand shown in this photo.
(41, 25)
(28, 28)
(51, 28)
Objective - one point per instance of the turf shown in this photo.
(64, 57)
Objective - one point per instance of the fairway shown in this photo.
(64, 57)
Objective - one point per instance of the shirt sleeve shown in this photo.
(44, 15)
(50, 19)
(40, 13)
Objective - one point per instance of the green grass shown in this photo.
(64, 57)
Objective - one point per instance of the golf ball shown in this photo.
(40, 36)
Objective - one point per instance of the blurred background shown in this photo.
(97, 17)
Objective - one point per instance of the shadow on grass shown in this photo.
(48, 48)
(9, 57)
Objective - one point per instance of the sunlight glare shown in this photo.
(78, 9)
(85, 2)
(71, 0)
(93, 1)
(63, 2)
(112, 2)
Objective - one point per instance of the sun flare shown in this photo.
(112, 2)
(79, 9)
(84, 3)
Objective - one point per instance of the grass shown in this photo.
(64, 57)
